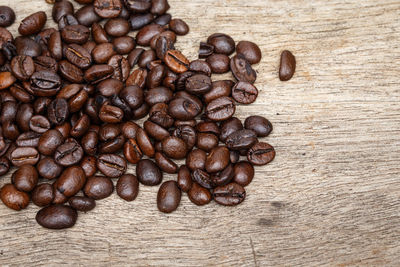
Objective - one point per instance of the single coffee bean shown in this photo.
(184, 108)
(98, 73)
(144, 143)
(21, 94)
(140, 112)
(223, 177)
(33, 23)
(202, 178)
(72, 180)
(205, 50)
(241, 140)
(77, 34)
(48, 168)
(196, 159)
(98, 187)
(57, 217)
(228, 127)
(260, 125)
(43, 195)
(165, 164)
(111, 165)
(158, 95)
(162, 45)
(124, 45)
(67, 20)
(261, 154)
(6, 80)
(208, 127)
(199, 195)
(220, 109)
(12, 198)
(45, 83)
(22, 67)
(58, 111)
(287, 66)
(186, 133)
(199, 84)
(8, 111)
(219, 63)
(55, 46)
(25, 178)
(168, 197)
(229, 195)
(174, 147)
(243, 173)
(78, 56)
(82, 203)
(24, 155)
(107, 8)
(121, 67)
(244, 93)
(138, 21)
(49, 142)
(127, 187)
(138, 78)
(200, 66)
(242, 69)
(110, 114)
(117, 27)
(45, 63)
(176, 61)
(61, 8)
(223, 44)
(207, 141)
(88, 164)
(145, 34)
(163, 19)
(103, 52)
(69, 153)
(234, 156)
(250, 51)
(184, 178)
(4, 165)
(159, 7)
(155, 131)
(7, 16)
(129, 129)
(86, 15)
(217, 159)
(70, 72)
(179, 26)
(148, 172)
(138, 6)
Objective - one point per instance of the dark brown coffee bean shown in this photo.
(69, 153)
(260, 125)
(49, 142)
(5, 36)
(217, 159)
(155, 131)
(196, 159)
(55, 46)
(45, 83)
(61, 8)
(206, 141)
(22, 67)
(186, 133)
(110, 87)
(24, 155)
(184, 178)
(67, 20)
(165, 164)
(138, 6)
(25, 178)
(144, 143)
(200, 66)
(107, 8)
(45, 63)
(234, 156)
(250, 51)
(223, 44)
(127, 187)
(81, 126)
(146, 57)
(6, 80)
(162, 45)
(183, 109)
(103, 52)
(57, 217)
(129, 129)
(124, 45)
(199, 195)
(159, 7)
(163, 19)
(241, 140)
(229, 195)
(33, 23)
(98, 73)
(156, 76)
(98, 187)
(179, 26)
(43, 195)
(242, 69)
(78, 56)
(261, 154)
(168, 197)
(140, 112)
(71, 181)
(7, 16)
(8, 111)
(21, 94)
(230, 126)
(243, 173)
(174, 147)
(111, 165)
(110, 114)
(132, 151)
(148, 172)
(208, 127)
(223, 177)
(77, 34)
(176, 61)
(70, 72)
(244, 93)
(12, 198)
(48, 168)
(205, 50)
(99, 34)
(202, 178)
(117, 27)
(121, 67)
(159, 114)
(58, 111)
(199, 84)
(88, 164)
(287, 66)
(158, 95)
(220, 109)
(138, 21)
(86, 15)
(82, 203)
(219, 63)
(4, 165)
(144, 36)
(138, 78)
(59, 198)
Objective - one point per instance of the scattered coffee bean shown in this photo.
(287, 66)
(57, 217)
(168, 197)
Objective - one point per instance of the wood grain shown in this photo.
(332, 195)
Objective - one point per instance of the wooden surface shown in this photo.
(332, 195)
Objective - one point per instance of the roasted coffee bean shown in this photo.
(260, 125)
(8, 111)
(228, 127)
(21, 94)
(110, 114)
(5, 37)
(223, 177)
(129, 129)
(69, 153)
(242, 69)
(219, 63)
(229, 195)
(98, 187)
(45, 83)
(112, 146)
(145, 34)
(108, 8)
(208, 127)
(134, 56)
(148, 172)
(6, 80)
(176, 61)
(98, 73)
(144, 143)
(159, 7)
(183, 109)
(138, 21)
(28, 138)
(244, 93)
(261, 154)
(179, 26)
(71, 181)
(287, 66)
(25, 178)
(199, 84)
(70, 72)
(156, 76)
(117, 27)
(45, 63)
(10, 130)
(222, 43)
(58, 111)
(82, 203)
(61, 8)
(165, 164)
(206, 141)
(103, 52)
(48, 168)
(174, 147)
(4, 165)
(186, 133)
(111, 165)
(132, 151)
(163, 44)
(123, 45)
(121, 67)
(200, 66)
(33, 23)
(146, 57)
(59, 198)
(57, 217)
(99, 34)
(86, 15)
(78, 56)
(43, 195)
(138, 6)
(163, 19)
(67, 20)
(196, 159)
(88, 164)
(127, 187)
(81, 126)
(250, 51)
(77, 34)
(140, 112)
(55, 46)
(243, 173)
(217, 159)
(241, 139)
(205, 50)
(168, 197)
(12, 198)
(7, 16)
(49, 141)
(199, 195)
(184, 178)
(220, 109)
(158, 95)
(155, 131)
(159, 114)
(24, 155)
(22, 67)
(110, 87)
(202, 178)
(234, 156)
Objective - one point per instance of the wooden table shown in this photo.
(332, 195)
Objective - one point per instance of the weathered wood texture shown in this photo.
(332, 195)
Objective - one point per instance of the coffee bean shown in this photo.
(12, 198)
(184, 178)
(138, 78)
(202, 178)
(179, 26)
(223, 177)
(45, 63)
(82, 203)
(48, 168)
(243, 173)
(117, 27)
(69, 153)
(184, 108)
(205, 50)
(158, 95)
(67, 20)
(144, 143)
(244, 93)
(174, 147)
(217, 159)
(176, 61)
(261, 154)
(8, 111)
(107, 8)
(144, 36)
(241, 139)
(127, 187)
(229, 195)
(199, 195)
(98, 73)
(148, 172)
(159, 7)
(110, 114)
(57, 217)
(77, 34)
(58, 111)
(163, 19)
(61, 8)
(110, 87)
(223, 44)
(33, 23)
(43, 195)
(25, 178)
(200, 66)
(129, 129)
(242, 69)
(208, 127)
(88, 164)
(4, 165)
(103, 52)
(287, 66)
(199, 84)
(24, 155)
(124, 45)
(22, 67)
(21, 94)
(45, 83)
(220, 109)
(49, 142)
(165, 164)
(98, 187)
(168, 197)
(86, 15)
(55, 46)
(5, 37)
(260, 125)
(138, 21)
(7, 16)
(206, 141)
(196, 159)
(6, 80)
(250, 51)
(78, 56)
(111, 165)
(219, 63)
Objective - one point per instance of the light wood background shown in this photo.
(332, 195)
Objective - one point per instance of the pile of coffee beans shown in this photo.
(71, 97)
